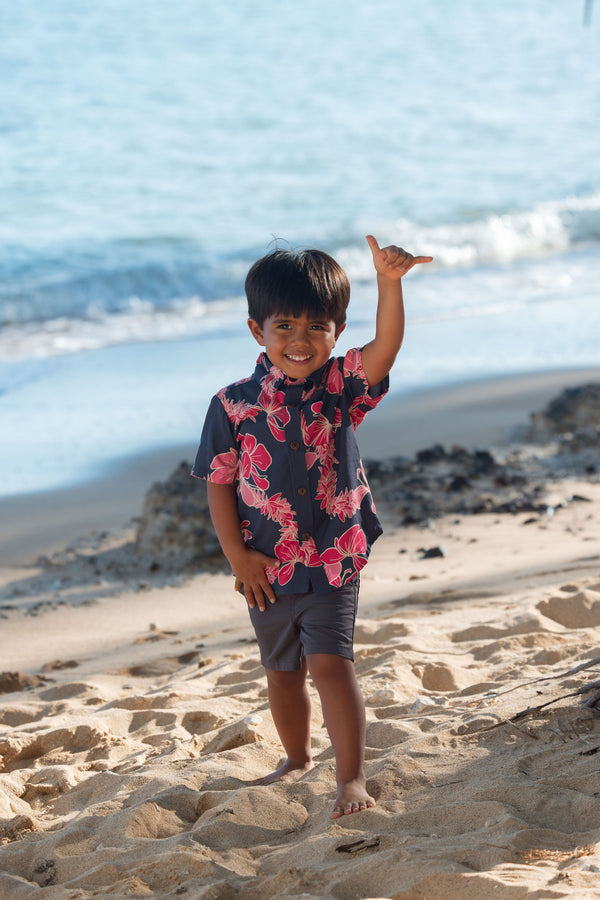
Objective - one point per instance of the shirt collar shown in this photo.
(265, 368)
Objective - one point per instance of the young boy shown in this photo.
(288, 495)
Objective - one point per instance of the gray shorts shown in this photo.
(297, 625)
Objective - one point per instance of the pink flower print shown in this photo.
(308, 392)
(223, 468)
(360, 408)
(273, 376)
(278, 415)
(310, 554)
(348, 502)
(289, 553)
(250, 495)
(311, 458)
(271, 572)
(351, 545)
(279, 510)
(353, 364)
(335, 380)
(246, 533)
(255, 458)
(319, 434)
(326, 488)
(238, 411)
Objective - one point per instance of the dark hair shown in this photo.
(292, 282)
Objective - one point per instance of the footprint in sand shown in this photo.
(248, 816)
(201, 721)
(525, 624)
(376, 633)
(581, 610)
(247, 675)
(445, 678)
(233, 736)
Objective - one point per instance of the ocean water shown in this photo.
(150, 152)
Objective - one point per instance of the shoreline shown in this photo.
(474, 414)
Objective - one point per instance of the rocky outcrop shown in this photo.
(175, 532)
(438, 482)
(575, 410)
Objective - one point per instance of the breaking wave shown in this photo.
(164, 289)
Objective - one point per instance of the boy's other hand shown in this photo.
(251, 578)
(393, 262)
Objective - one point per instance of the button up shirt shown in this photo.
(289, 448)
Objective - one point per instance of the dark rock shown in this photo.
(175, 531)
(483, 463)
(459, 483)
(19, 681)
(581, 440)
(574, 409)
(431, 454)
(459, 454)
(433, 552)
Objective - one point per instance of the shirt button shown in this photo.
(302, 491)
(305, 536)
(295, 445)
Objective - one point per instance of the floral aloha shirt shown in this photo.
(289, 447)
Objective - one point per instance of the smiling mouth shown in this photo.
(298, 359)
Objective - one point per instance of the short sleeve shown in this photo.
(362, 397)
(217, 456)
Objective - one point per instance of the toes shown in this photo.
(348, 809)
(355, 806)
(352, 806)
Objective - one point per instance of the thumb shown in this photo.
(372, 242)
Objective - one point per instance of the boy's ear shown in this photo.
(256, 332)
(339, 330)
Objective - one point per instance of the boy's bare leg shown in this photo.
(344, 714)
(290, 708)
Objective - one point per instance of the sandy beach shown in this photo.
(134, 719)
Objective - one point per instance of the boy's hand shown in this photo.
(393, 262)
(250, 577)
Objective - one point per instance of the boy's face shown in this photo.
(298, 345)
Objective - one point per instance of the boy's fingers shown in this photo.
(267, 589)
(372, 242)
(423, 259)
(259, 599)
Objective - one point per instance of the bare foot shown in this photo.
(352, 798)
(289, 771)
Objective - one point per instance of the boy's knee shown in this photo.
(286, 680)
(329, 666)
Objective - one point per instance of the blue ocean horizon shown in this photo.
(151, 155)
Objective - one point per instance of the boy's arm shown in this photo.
(248, 565)
(391, 264)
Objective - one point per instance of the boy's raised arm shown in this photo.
(391, 264)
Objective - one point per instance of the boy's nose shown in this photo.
(300, 337)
